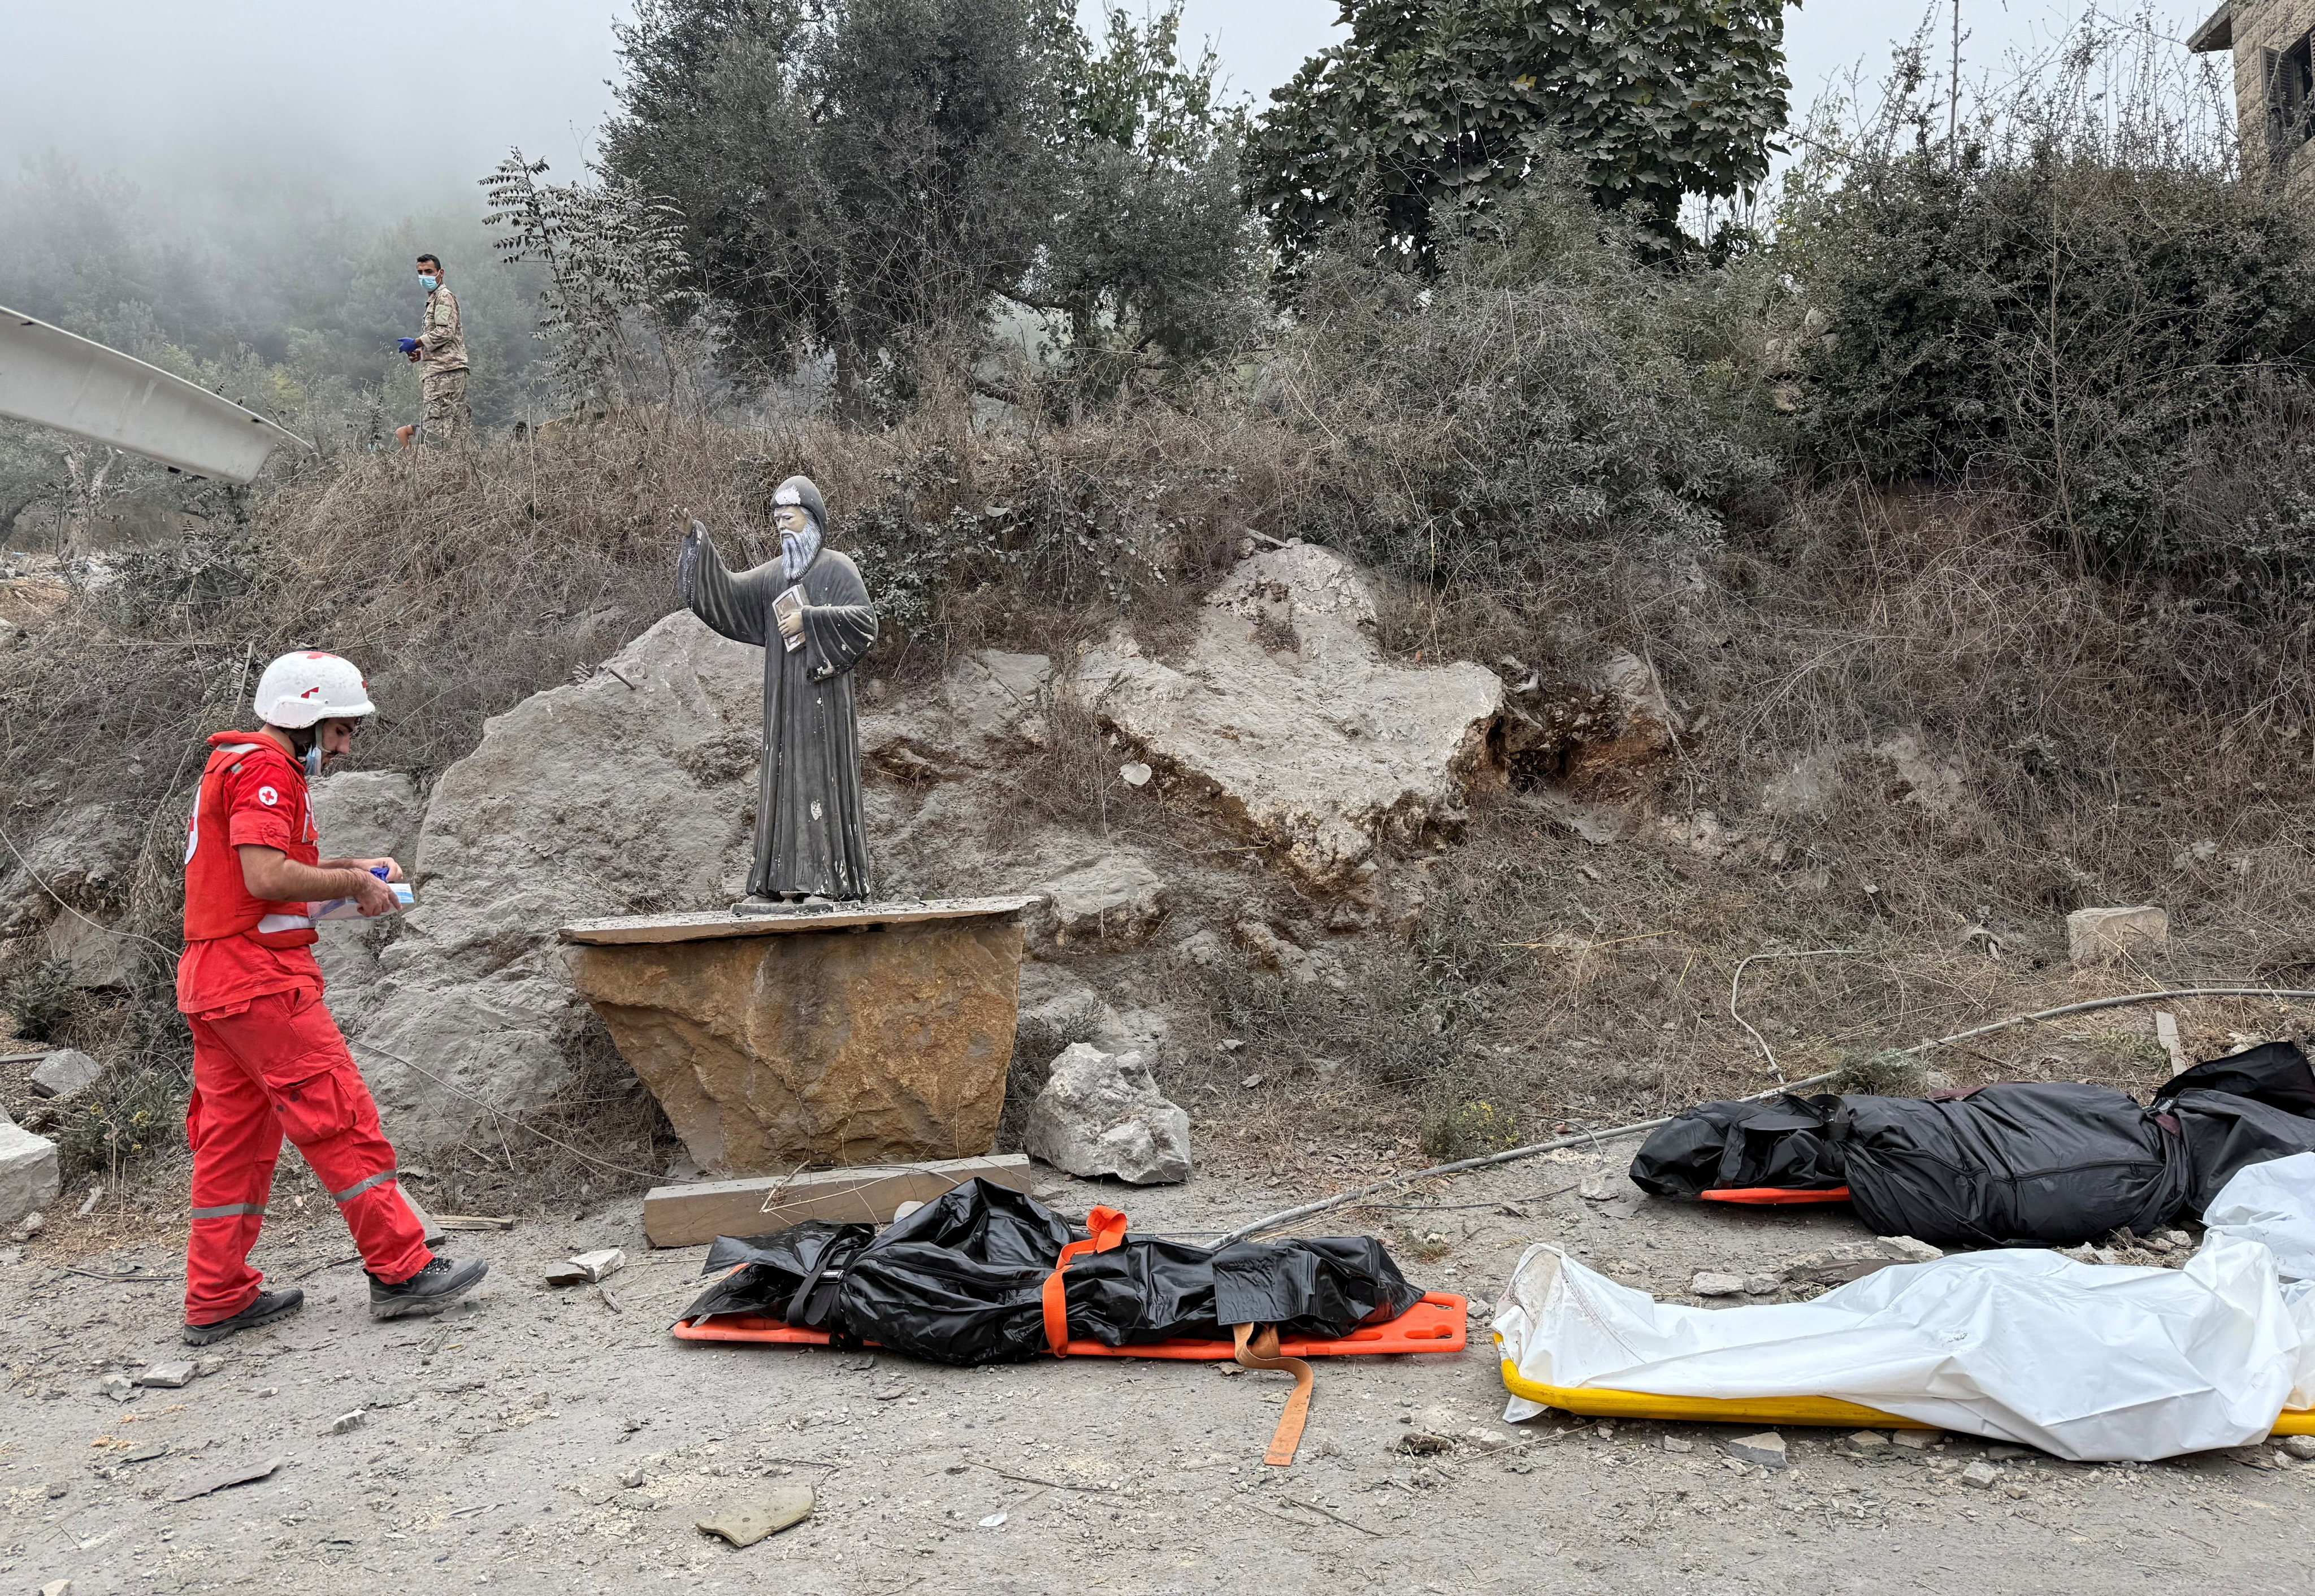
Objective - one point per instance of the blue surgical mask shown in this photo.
(313, 759)
(426, 283)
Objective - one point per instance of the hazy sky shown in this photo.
(379, 102)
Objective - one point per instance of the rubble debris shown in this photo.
(588, 1268)
(1980, 1476)
(746, 1524)
(2301, 1447)
(62, 1587)
(1767, 1448)
(64, 1072)
(1867, 1441)
(1422, 1443)
(345, 1423)
(118, 1387)
(167, 1376)
(240, 1475)
(1712, 1283)
(1676, 1443)
(1918, 1440)
(1762, 1285)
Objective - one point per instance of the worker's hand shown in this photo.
(373, 895)
(791, 625)
(411, 357)
(393, 871)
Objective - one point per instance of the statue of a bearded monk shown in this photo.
(809, 612)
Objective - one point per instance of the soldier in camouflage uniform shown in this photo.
(441, 354)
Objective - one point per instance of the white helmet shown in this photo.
(303, 689)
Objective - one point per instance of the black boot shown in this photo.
(270, 1306)
(428, 1291)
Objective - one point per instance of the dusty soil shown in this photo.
(497, 1439)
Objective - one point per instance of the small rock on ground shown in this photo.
(1765, 1449)
(1712, 1283)
(1919, 1441)
(167, 1376)
(1981, 1476)
(2301, 1447)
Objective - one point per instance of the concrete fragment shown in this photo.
(1767, 1448)
(1102, 1113)
(588, 1267)
(1869, 1441)
(1917, 1440)
(632, 1476)
(1711, 1283)
(118, 1387)
(64, 1072)
(2301, 1447)
(167, 1376)
(346, 1423)
(1677, 1443)
(2096, 936)
(29, 1178)
(62, 1587)
(744, 1524)
(240, 1475)
(886, 1047)
(1980, 1476)
(1480, 1439)
(1761, 1285)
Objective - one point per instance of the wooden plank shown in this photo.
(843, 916)
(2166, 1032)
(687, 1216)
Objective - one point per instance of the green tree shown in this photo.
(1457, 103)
(859, 178)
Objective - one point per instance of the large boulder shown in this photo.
(363, 814)
(84, 857)
(1102, 1113)
(29, 1175)
(630, 793)
(1284, 714)
(1113, 901)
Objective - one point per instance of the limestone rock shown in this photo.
(1114, 901)
(1102, 1113)
(85, 856)
(363, 814)
(28, 1176)
(819, 1047)
(1283, 713)
(625, 794)
(1713, 1283)
(64, 1072)
(2103, 936)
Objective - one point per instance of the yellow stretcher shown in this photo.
(1825, 1411)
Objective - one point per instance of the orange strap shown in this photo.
(1261, 1351)
(1108, 1228)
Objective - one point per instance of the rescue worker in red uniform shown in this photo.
(268, 1060)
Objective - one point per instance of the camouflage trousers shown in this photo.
(445, 419)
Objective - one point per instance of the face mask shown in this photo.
(314, 759)
(426, 283)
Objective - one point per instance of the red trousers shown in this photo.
(271, 1067)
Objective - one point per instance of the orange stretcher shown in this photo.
(1437, 1324)
(1770, 1196)
(1822, 1411)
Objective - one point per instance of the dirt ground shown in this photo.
(538, 1438)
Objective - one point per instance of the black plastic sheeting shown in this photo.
(962, 1281)
(2049, 1163)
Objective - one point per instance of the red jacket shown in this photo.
(239, 947)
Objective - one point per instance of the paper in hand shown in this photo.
(790, 603)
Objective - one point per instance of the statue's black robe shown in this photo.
(809, 835)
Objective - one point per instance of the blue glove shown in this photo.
(407, 345)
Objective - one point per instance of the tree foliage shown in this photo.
(614, 259)
(1453, 104)
(859, 177)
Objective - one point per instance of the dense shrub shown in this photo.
(2113, 325)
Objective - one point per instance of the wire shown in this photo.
(1734, 980)
(1289, 1216)
(514, 1120)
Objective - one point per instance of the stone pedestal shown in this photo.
(860, 1033)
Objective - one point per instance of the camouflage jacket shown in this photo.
(441, 345)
